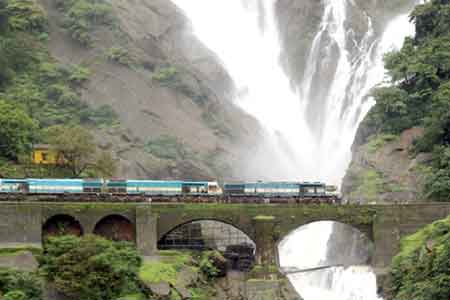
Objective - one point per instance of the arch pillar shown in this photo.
(146, 231)
(265, 240)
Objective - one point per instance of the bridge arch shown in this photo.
(213, 228)
(166, 227)
(61, 224)
(210, 234)
(324, 243)
(116, 227)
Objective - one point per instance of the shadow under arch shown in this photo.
(117, 228)
(61, 225)
(322, 244)
(211, 234)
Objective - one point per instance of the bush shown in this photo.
(91, 268)
(83, 16)
(213, 264)
(422, 269)
(16, 284)
(102, 116)
(121, 56)
(166, 147)
(25, 15)
(166, 75)
(16, 130)
(15, 295)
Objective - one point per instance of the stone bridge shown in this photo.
(24, 223)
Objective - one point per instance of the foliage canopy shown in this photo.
(419, 94)
(90, 267)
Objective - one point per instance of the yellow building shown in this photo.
(44, 154)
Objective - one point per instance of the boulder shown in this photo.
(183, 291)
(161, 289)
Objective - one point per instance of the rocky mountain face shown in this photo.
(383, 169)
(171, 94)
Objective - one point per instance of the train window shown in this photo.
(321, 190)
(44, 156)
(310, 190)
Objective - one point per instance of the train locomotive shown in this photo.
(165, 188)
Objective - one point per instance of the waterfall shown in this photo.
(310, 125)
(338, 247)
(309, 128)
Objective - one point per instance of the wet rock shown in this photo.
(383, 170)
(183, 292)
(160, 289)
(187, 277)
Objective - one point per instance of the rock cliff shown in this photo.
(171, 94)
(383, 169)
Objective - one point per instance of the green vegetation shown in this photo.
(18, 250)
(166, 76)
(121, 56)
(76, 147)
(35, 91)
(16, 130)
(213, 264)
(167, 147)
(91, 267)
(167, 268)
(422, 269)
(377, 142)
(82, 17)
(419, 94)
(369, 185)
(15, 285)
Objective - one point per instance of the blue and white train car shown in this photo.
(55, 186)
(172, 188)
(12, 186)
(154, 187)
(313, 189)
(269, 189)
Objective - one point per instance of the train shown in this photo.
(166, 188)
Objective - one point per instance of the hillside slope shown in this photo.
(403, 145)
(172, 96)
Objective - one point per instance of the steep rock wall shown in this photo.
(194, 109)
(383, 169)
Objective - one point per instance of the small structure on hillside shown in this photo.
(46, 155)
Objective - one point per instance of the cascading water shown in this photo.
(329, 244)
(310, 128)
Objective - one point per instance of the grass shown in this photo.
(19, 250)
(167, 268)
(379, 141)
(414, 242)
(370, 185)
(137, 296)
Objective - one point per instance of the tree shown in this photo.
(16, 131)
(421, 271)
(17, 284)
(90, 268)
(79, 152)
(75, 144)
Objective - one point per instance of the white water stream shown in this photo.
(312, 246)
(308, 137)
(310, 128)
